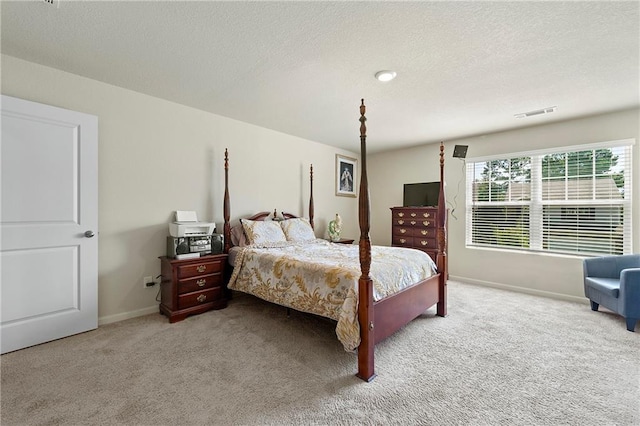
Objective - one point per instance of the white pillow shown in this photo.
(298, 229)
(263, 232)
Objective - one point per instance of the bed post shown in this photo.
(365, 284)
(226, 204)
(441, 309)
(311, 197)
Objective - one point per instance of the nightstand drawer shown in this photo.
(199, 283)
(200, 268)
(199, 297)
(192, 286)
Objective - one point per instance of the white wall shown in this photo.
(559, 276)
(156, 157)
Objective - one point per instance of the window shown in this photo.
(570, 200)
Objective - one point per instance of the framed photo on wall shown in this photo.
(346, 172)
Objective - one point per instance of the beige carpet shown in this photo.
(498, 358)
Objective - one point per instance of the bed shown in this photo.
(370, 292)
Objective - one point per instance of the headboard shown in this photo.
(266, 215)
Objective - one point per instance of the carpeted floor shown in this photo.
(498, 358)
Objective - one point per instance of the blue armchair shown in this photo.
(614, 282)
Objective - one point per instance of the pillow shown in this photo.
(238, 238)
(298, 229)
(263, 232)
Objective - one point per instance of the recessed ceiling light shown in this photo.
(546, 110)
(386, 75)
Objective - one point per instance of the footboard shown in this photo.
(396, 311)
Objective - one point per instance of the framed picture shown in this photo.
(346, 172)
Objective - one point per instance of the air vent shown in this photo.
(546, 110)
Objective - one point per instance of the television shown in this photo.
(421, 194)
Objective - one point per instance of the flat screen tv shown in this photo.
(421, 194)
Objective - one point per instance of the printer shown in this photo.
(187, 225)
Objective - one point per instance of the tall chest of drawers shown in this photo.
(415, 227)
(192, 286)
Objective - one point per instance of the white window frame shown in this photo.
(536, 203)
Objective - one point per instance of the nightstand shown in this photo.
(343, 241)
(192, 286)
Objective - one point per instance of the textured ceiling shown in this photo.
(464, 68)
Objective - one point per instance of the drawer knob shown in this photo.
(426, 223)
(413, 222)
(201, 298)
(401, 222)
(426, 214)
(402, 230)
(201, 282)
(400, 214)
(413, 215)
(402, 240)
(424, 243)
(423, 232)
(201, 268)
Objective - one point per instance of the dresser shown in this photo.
(192, 286)
(415, 227)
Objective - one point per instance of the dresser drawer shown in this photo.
(199, 297)
(199, 283)
(415, 223)
(401, 231)
(200, 268)
(407, 231)
(413, 214)
(425, 243)
(424, 232)
(402, 241)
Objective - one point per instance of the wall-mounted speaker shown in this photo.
(460, 151)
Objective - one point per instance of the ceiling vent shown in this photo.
(537, 112)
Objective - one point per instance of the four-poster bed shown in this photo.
(371, 311)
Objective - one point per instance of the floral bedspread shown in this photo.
(321, 278)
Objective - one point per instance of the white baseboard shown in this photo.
(525, 290)
(154, 309)
(127, 315)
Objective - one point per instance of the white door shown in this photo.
(48, 223)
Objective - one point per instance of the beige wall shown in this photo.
(156, 157)
(558, 276)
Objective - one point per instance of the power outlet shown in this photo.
(148, 282)
(53, 3)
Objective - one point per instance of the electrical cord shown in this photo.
(159, 288)
(455, 202)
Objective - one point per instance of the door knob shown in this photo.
(89, 234)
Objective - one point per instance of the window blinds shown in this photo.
(569, 200)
